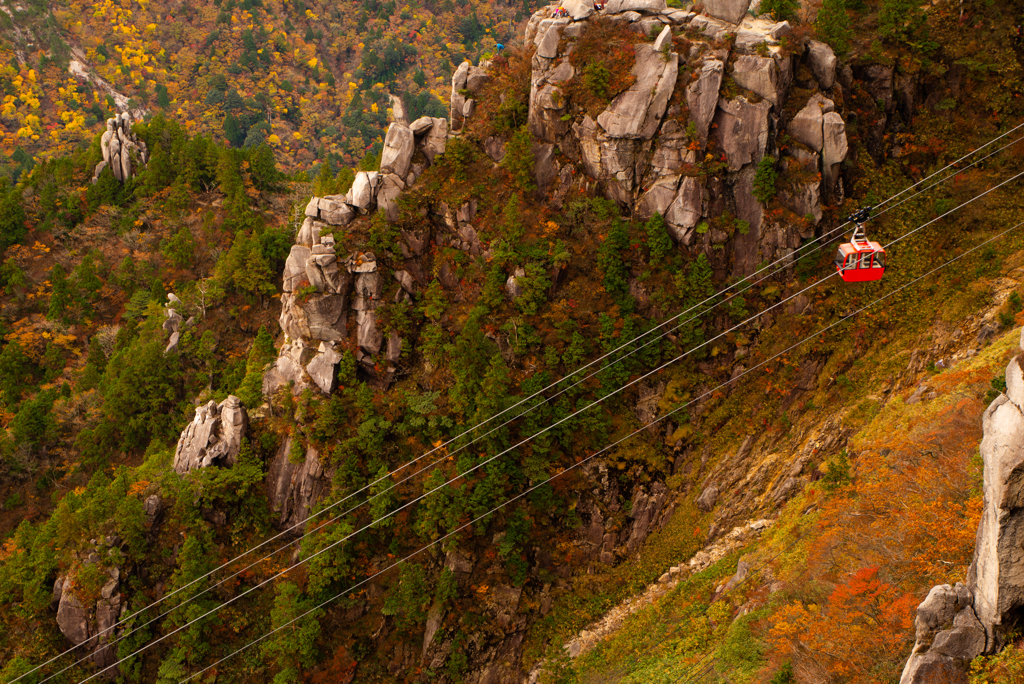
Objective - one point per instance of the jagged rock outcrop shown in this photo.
(955, 625)
(318, 285)
(645, 160)
(467, 81)
(948, 636)
(92, 624)
(214, 437)
(172, 325)
(122, 150)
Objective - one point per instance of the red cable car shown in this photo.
(860, 259)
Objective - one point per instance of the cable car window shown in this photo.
(880, 259)
(865, 260)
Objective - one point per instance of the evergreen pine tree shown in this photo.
(833, 25)
(262, 352)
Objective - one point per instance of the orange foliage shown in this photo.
(340, 669)
(860, 634)
(912, 508)
(138, 487)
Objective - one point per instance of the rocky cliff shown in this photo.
(956, 624)
(708, 102)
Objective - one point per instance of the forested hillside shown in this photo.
(467, 368)
(312, 80)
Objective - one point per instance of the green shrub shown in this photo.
(658, 241)
(784, 675)
(408, 600)
(535, 286)
(458, 155)
(833, 25)
(780, 9)
(384, 235)
(611, 259)
(518, 160)
(597, 79)
(837, 472)
(764, 180)
(179, 249)
(899, 19)
(293, 647)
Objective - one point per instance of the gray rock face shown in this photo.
(637, 112)
(214, 437)
(647, 6)
(436, 140)
(421, 125)
(742, 130)
(685, 211)
(364, 190)
(293, 488)
(664, 40)
(152, 507)
(645, 510)
(822, 61)
(806, 126)
(672, 150)
(728, 10)
(780, 30)
(316, 317)
(747, 248)
(547, 106)
(822, 131)
(458, 100)
(387, 197)
(476, 79)
(548, 45)
(513, 288)
(545, 168)
(833, 151)
(702, 96)
(365, 301)
(658, 197)
(172, 324)
(706, 501)
(323, 368)
(760, 75)
(999, 575)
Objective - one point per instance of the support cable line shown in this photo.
(524, 441)
(604, 449)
